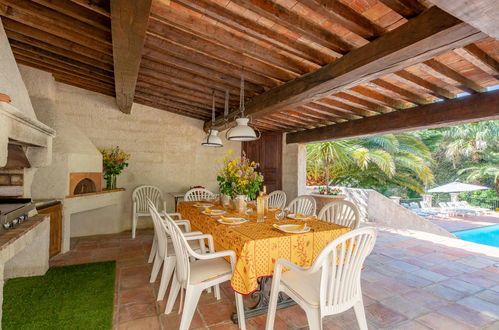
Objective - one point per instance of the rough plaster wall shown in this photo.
(293, 169)
(11, 82)
(166, 148)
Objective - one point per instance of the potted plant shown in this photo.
(114, 161)
(238, 177)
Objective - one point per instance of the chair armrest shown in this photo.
(213, 255)
(201, 237)
(288, 264)
(185, 223)
(176, 214)
(193, 233)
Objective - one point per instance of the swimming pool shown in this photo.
(488, 235)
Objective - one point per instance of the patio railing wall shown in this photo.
(489, 203)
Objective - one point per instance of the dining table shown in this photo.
(258, 244)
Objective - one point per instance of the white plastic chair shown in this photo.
(305, 205)
(331, 285)
(139, 201)
(165, 255)
(207, 270)
(341, 212)
(198, 194)
(277, 199)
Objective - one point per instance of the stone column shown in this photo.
(454, 197)
(396, 199)
(428, 199)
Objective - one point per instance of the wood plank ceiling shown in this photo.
(195, 46)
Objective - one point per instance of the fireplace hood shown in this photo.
(35, 138)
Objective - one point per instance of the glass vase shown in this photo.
(240, 204)
(110, 181)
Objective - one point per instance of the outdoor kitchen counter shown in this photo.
(24, 250)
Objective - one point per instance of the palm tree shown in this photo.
(400, 159)
(487, 169)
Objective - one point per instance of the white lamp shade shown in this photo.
(242, 132)
(212, 140)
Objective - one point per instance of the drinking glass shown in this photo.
(280, 215)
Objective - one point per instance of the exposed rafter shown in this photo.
(128, 25)
(477, 107)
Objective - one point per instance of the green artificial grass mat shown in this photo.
(70, 297)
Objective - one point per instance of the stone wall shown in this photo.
(166, 148)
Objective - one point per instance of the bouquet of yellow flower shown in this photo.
(238, 176)
(114, 161)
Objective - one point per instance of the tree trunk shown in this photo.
(326, 174)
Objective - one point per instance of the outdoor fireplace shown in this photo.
(85, 183)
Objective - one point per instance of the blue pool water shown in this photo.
(488, 235)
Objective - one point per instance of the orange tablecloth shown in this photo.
(258, 246)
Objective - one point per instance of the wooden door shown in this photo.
(55, 212)
(267, 151)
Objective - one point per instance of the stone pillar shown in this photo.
(302, 169)
(428, 199)
(454, 197)
(396, 199)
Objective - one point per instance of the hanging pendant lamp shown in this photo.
(242, 132)
(212, 139)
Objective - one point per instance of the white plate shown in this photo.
(203, 205)
(283, 228)
(240, 221)
(214, 212)
(297, 217)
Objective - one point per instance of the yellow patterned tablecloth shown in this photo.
(258, 246)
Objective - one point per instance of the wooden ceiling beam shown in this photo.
(436, 90)
(163, 45)
(482, 14)
(294, 22)
(331, 110)
(244, 25)
(376, 95)
(337, 12)
(404, 93)
(477, 107)
(161, 70)
(405, 8)
(156, 105)
(50, 57)
(47, 16)
(212, 49)
(226, 38)
(194, 68)
(129, 20)
(145, 88)
(49, 28)
(78, 12)
(476, 56)
(362, 102)
(189, 85)
(14, 36)
(97, 6)
(342, 106)
(430, 34)
(76, 83)
(57, 41)
(471, 86)
(180, 106)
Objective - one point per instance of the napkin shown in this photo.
(208, 210)
(292, 228)
(229, 220)
(313, 217)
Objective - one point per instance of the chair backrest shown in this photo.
(159, 233)
(341, 263)
(341, 212)
(424, 205)
(414, 205)
(277, 199)
(197, 194)
(305, 205)
(182, 252)
(142, 193)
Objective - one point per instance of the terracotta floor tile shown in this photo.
(383, 316)
(216, 312)
(172, 321)
(148, 323)
(465, 315)
(461, 286)
(409, 325)
(425, 299)
(405, 306)
(489, 295)
(438, 321)
(136, 311)
(429, 275)
(480, 305)
(444, 292)
(258, 323)
(224, 326)
(294, 316)
(143, 294)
